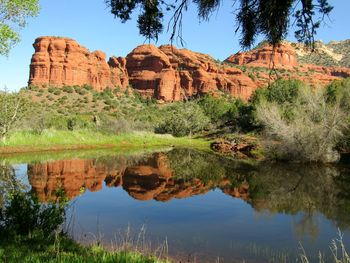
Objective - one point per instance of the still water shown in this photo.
(207, 208)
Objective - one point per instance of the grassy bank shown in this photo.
(54, 140)
(67, 250)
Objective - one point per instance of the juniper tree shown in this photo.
(269, 18)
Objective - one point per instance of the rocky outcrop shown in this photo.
(267, 56)
(62, 61)
(238, 147)
(164, 73)
(170, 74)
(266, 64)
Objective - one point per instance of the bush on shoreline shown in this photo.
(304, 124)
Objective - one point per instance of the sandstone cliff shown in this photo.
(62, 61)
(170, 74)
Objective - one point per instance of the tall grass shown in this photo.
(338, 250)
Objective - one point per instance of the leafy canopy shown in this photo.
(13, 16)
(270, 18)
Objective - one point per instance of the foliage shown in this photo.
(307, 130)
(181, 119)
(338, 93)
(12, 109)
(245, 120)
(24, 215)
(254, 17)
(281, 91)
(13, 15)
(218, 109)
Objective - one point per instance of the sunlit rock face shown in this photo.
(169, 74)
(165, 73)
(267, 56)
(64, 62)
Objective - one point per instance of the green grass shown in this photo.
(23, 141)
(67, 250)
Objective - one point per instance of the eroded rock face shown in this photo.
(170, 74)
(62, 61)
(281, 56)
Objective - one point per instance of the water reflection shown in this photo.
(278, 188)
(302, 192)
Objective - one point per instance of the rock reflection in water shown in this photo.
(183, 173)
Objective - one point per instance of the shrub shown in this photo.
(183, 119)
(68, 89)
(242, 115)
(281, 91)
(51, 90)
(87, 87)
(339, 92)
(310, 133)
(23, 215)
(214, 108)
(57, 92)
(81, 91)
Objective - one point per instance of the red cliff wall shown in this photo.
(167, 73)
(62, 61)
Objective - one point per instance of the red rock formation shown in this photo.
(167, 73)
(62, 61)
(267, 56)
(283, 58)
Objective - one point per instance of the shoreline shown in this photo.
(50, 142)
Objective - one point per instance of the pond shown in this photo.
(205, 207)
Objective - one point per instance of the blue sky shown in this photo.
(90, 23)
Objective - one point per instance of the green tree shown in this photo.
(269, 18)
(216, 108)
(181, 119)
(13, 15)
(12, 108)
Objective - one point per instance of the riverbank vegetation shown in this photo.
(294, 121)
